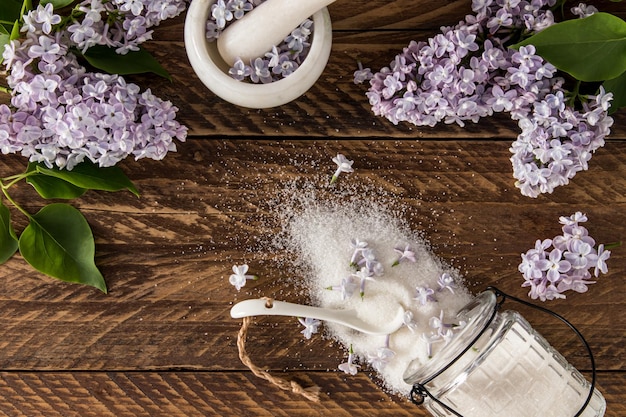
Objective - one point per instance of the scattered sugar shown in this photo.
(318, 227)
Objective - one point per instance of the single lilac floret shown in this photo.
(343, 165)
(310, 326)
(239, 277)
(349, 367)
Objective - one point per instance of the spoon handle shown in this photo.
(261, 307)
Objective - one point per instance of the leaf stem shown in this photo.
(574, 94)
(12, 180)
(13, 202)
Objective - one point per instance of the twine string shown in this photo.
(311, 393)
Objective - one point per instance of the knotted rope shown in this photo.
(310, 393)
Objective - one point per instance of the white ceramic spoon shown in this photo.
(266, 25)
(348, 318)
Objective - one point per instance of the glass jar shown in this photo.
(509, 370)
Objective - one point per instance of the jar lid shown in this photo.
(476, 315)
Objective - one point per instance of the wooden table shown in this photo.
(162, 343)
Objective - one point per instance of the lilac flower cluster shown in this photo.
(468, 72)
(278, 63)
(61, 114)
(367, 268)
(120, 24)
(558, 141)
(564, 263)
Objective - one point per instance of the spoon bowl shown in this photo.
(348, 318)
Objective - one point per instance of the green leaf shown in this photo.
(53, 187)
(15, 32)
(617, 86)
(90, 176)
(57, 4)
(5, 37)
(134, 62)
(10, 10)
(8, 239)
(590, 49)
(58, 242)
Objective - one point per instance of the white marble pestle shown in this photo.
(266, 25)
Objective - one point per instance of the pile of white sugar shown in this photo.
(320, 230)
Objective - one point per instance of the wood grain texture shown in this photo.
(333, 107)
(195, 394)
(162, 342)
(167, 255)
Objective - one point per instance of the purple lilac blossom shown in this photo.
(120, 24)
(467, 72)
(564, 263)
(61, 114)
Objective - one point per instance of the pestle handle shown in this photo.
(266, 25)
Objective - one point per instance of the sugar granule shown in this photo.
(318, 226)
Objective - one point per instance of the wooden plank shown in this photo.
(167, 255)
(334, 107)
(387, 15)
(190, 394)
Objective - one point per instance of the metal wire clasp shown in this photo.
(419, 392)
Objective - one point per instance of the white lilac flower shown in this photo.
(382, 356)
(405, 254)
(408, 321)
(260, 71)
(221, 14)
(274, 56)
(343, 165)
(580, 255)
(554, 265)
(349, 366)
(368, 260)
(574, 219)
(600, 266)
(364, 275)
(346, 288)
(446, 281)
(357, 246)
(424, 295)
(239, 277)
(429, 340)
(362, 74)
(285, 66)
(583, 10)
(310, 326)
(437, 323)
(239, 7)
(239, 70)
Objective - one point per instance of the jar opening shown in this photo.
(476, 315)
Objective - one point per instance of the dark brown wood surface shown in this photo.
(162, 343)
